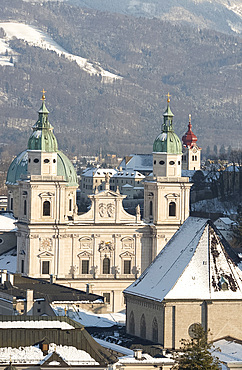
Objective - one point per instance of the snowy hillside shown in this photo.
(220, 15)
(35, 37)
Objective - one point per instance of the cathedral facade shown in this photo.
(105, 249)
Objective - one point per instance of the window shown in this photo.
(54, 160)
(127, 267)
(70, 205)
(154, 161)
(131, 323)
(11, 204)
(38, 310)
(25, 207)
(151, 208)
(162, 162)
(22, 266)
(106, 297)
(106, 266)
(193, 158)
(172, 209)
(155, 330)
(45, 267)
(36, 160)
(143, 327)
(46, 160)
(85, 266)
(46, 208)
(171, 163)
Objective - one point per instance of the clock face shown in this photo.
(193, 330)
(194, 150)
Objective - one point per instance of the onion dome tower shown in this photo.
(167, 148)
(42, 185)
(191, 158)
(41, 158)
(167, 194)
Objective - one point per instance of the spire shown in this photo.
(43, 137)
(168, 116)
(189, 139)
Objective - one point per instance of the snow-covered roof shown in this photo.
(88, 318)
(35, 324)
(225, 220)
(230, 350)
(8, 260)
(99, 172)
(7, 222)
(194, 264)
(131, 174)
(34, 355)
(139, 162)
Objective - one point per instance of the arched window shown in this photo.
(172, 209)
(151, 208)
(143, 327)
(131, 323)
(46, 208)
(25, 207)
(70, 205)
(106, 265)
(155, 330)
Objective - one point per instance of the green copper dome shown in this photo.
(167, 141)
(43, 137)
(18, 169)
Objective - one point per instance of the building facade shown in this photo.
(106, 248)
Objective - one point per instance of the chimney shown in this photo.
(52, 279)
(138, 354)
(88, 288)
(30, 302)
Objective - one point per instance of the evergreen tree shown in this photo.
(197, 353)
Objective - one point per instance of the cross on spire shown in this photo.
(43, 95)
(168, 98)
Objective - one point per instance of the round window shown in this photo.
(46, 160)
(171, 163)
(162, 162)
(36, 160)
(1, 241)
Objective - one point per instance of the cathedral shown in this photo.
(106, 249)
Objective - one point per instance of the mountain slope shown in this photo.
(201, 70)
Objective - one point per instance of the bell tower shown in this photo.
(167, 194)
(191, 158)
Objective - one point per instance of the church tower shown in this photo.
(43, 182)
(167, 194)
(191, 158)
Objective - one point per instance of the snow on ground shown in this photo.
(8, 261)
(34, 36)
(88, 318)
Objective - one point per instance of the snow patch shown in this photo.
(35, 37)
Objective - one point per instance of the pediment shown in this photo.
(54, 359)
(45, 254)
(108, 194)
(126, 254)
(84, 254)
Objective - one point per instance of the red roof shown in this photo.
(189, 139)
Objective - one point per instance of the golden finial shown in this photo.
(43, 94)
(65, 309)
(190, 118)
(168, 98)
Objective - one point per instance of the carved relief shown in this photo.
(127, 243)
(85, 243)
(46, 244)
(106, 210)
(105, 246)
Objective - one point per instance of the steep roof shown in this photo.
(197, 263)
